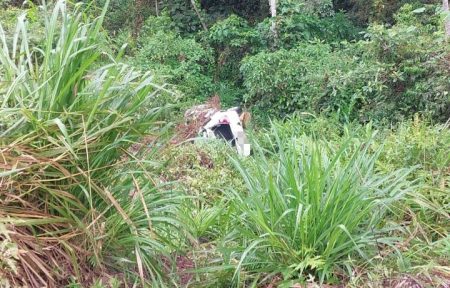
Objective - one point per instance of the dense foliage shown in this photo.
(184, 62)
(395, 73)
(347, 184)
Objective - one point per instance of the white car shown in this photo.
(227, 125)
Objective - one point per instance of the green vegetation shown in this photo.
(392, 75)
(311, 206)
(349, 178)
(66, 123)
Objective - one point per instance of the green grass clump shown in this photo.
(67, 122)
(311, 207)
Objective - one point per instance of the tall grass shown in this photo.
(312, 208)
(71, 205)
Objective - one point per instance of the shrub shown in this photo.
(297, 28)
(416, 55)
(396, 73)
(311, 208)
(296, 24)
(183, 61)
(232, 39)
(122, 14)
(321, 8)
(311, 77)
(119, 14)
(252, 10)
(4, 3)
(233, 32)
(184, 18)
(363, 12)
(231, 94)
(203, 170)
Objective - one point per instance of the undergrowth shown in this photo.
(91, 189)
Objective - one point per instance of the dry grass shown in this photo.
(47, 243)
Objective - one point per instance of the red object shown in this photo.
(224, 121)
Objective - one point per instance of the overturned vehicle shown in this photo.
(208, 121)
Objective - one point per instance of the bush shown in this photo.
(4, 3)
(311, 207)
(364, 12)
(122, 14)
(184, 62)
(417, 78)
(311, 77)
(201, 169)
(321, 8)
(232, 39)
(184, 18)
(119, 14)
(296, 28)
(233, 32)
(296, 24)
(396, 73)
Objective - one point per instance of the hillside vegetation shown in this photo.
(348, 183)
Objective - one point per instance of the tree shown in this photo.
(273, 14)
(447, 18)
(197, 11)
(139, 20)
